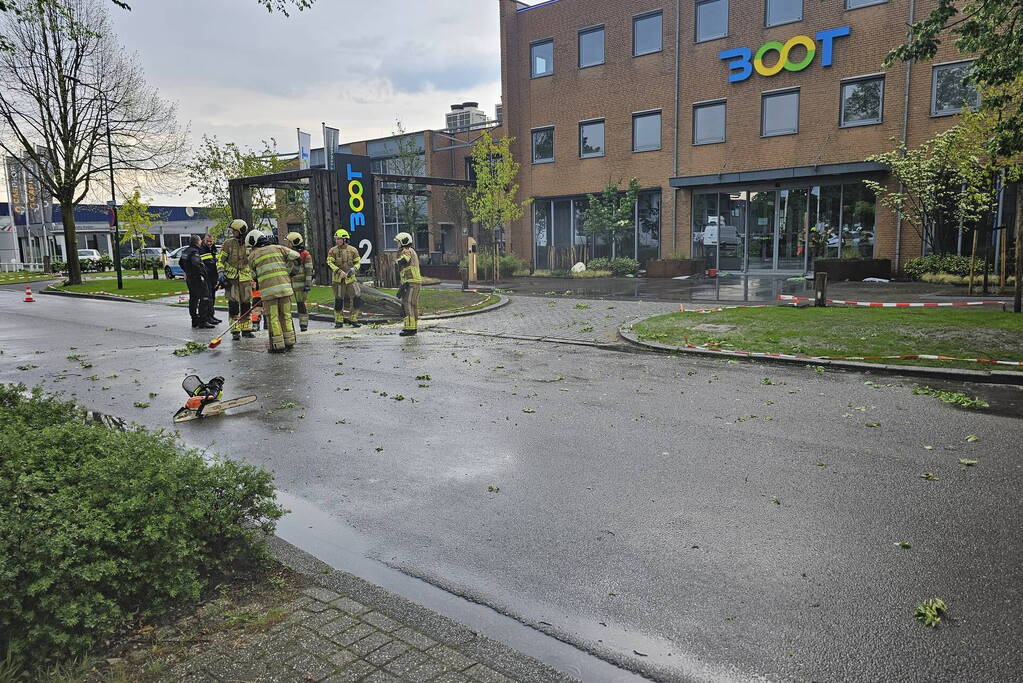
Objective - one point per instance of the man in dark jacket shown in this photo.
(199, 305)
(208, 254)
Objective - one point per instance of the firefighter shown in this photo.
(198, 291)
(208, 255)
(344, 260)
(407, 265)
(301, 278)
(271, 264)
(233, 261)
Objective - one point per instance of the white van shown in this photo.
(717, 232)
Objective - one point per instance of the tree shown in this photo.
(66, 84)
(215, 163)
(408, 199)
(991, 31)
(492, 202)
(135, 219)
(611, 214)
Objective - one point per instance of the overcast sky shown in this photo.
(243, 74)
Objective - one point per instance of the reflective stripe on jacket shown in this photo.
(270, 264)
(233, 260)
(408, 261)
(346, 259)
(302, 271)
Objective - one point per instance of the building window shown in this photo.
(708, 123)
(779, 113)
(543, 145)
(541, 56)
(646, 131)
(647, 34)
(777, 12)
(711, 20)
(862, 101)
(950, 89)
(856, 4)
(591, 47)
(591, 139)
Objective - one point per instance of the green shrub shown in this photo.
(58, 266)
(599, 263)
(589, 274)
(509, 264)
(950, 264)
(624, 266)
(105, 262)
(130, 263)
(99, 527)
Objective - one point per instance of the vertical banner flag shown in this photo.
(16, 190)
(331, 141)
(304, 149)
(355, 180)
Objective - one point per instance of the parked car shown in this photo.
(88, 255)
(147, 253)
(172, 269)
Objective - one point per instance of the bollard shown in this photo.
(156, 272)
(820, 287)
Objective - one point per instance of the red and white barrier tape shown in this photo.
(880, 304)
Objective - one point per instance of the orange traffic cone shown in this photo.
(28, 295)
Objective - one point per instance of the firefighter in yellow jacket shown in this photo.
(301, 278)
(344, 260)
(407, 264)
(233, 262)
(270, 263)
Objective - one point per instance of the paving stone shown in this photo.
(316, 644)
(485, 674)
(355, 671)
(350, 606)
(414, 638)
(452, 658)
(386, 653)
(316, 622)
(298, 616)
(357, 632)
(452, 677)
(381, 677)
(407, 663)
(321, 594)
(306, 664)
(381, 621)
(341, 657)
(316, 606)
(342, 623)
(427, 672)
(369, 643)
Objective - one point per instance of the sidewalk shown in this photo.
(341, 628)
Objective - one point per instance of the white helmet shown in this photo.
(253, 238)
(239, 226)
(403, 239)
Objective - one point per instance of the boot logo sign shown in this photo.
(773, 56)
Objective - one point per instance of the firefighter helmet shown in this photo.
(295, 238)
(342, 234)
(253, 239)
(403, 239)
(239, 226)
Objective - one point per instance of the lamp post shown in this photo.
(113, 195)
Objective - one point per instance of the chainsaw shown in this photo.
(205, 399)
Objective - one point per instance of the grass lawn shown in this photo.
(136, 288)
(24, 276)
(960, 332)
(431, 301)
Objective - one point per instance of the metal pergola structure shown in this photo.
(324, 213)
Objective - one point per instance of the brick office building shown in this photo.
(754, 164)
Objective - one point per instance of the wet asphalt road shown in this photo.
(693, 519)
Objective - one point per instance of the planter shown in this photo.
(854, 269)
(674, 267)
(449, 272)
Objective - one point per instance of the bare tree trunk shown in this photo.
(1017, 303)
(67, 211)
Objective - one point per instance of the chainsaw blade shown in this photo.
(212, 409)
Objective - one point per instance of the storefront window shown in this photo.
(542, 233)
(858, 202)
(826, 234)
(648, 236)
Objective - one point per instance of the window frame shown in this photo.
(841, 99)
(532, 61)
(640, 17)
(579, 46)
(532, 144)
(660, 130)
(845, 4)
(603, 147)
(711, 103)
(802, 14)
(778, 93)
(935, 68)
(696, 21)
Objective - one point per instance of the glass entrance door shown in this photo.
(791, 232)
(760, 247)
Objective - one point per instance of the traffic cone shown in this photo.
(28, 295)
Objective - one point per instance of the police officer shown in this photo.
(208, 254)
(271, 264)
(344, 260)
(407, 264)
(301, 278)
(233, 261)
(198, 290)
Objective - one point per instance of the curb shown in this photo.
(983, 376)
(98, 297)
(485, 650)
